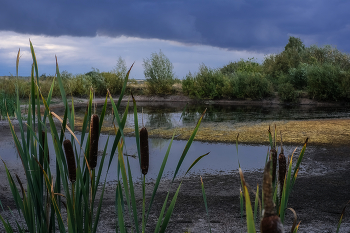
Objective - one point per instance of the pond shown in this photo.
(223, 157)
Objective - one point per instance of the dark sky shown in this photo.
(253, 25)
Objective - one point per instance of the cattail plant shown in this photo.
(43, 140)
(270, 223)
(68, 149)
(144, 150)
(282, 168)
(94, 125)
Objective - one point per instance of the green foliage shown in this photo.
(298, 76)
(249, 65)
(114, 81)
(287, 93)
(159, 74)
(323, 82)
(97, 81)
(207, 83)
(252, 85)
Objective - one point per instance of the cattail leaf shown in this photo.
(160, 174)
(123, 172)
(160, 219)
(35, 64)
(97, 216)
(196, 161)
(133, 199)
(137, 134)
(124, 86)
(296, 168)
(101, 168)
(205, 202)
(294, 220)
(169, 211)
(248, 206)
(120, 211)
(116, 114)
(256, 204)
(270, 138)
(104, 108)
(117, 137)
(341, 216)
(188, 145)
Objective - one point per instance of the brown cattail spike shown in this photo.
(68, 149)
(94, 125)
(273, 157)
(144, 150)
(270, 223)
(43, 140)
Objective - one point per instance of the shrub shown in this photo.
(323, 82)
(80, 85)
(252, 85)
(114, 82)
(249, 65)
(344, 85)
(287, 93)
(97, 81)
(298, 76)
(159, 74)
(207, 83)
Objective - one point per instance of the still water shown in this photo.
(223, 157)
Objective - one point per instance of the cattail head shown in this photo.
(94, 125)
(282, 169)
(68, 149)
(144, 150)
(43, 140)
(273, 158)
(270, 223)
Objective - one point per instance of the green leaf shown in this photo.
(188, 145)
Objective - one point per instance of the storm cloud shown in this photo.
(251, 25)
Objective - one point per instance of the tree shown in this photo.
(294, 43)
(159, 74)
(120, 69)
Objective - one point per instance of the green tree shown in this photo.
(294, 43)
(159, 74)
(120, 69)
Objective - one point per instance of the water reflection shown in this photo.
(167, 115)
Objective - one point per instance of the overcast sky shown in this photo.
(94, 33)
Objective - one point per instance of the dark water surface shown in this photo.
(168, 115)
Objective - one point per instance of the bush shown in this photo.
(298, 76)
(114, 83)
(252, 85)
(80, 85)
(323, 82)
(207, 83)
(344, 85)
(97, 81)
(287, 93)
(249, 65)
(159, 74)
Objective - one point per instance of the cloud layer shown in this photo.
(253, 25)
